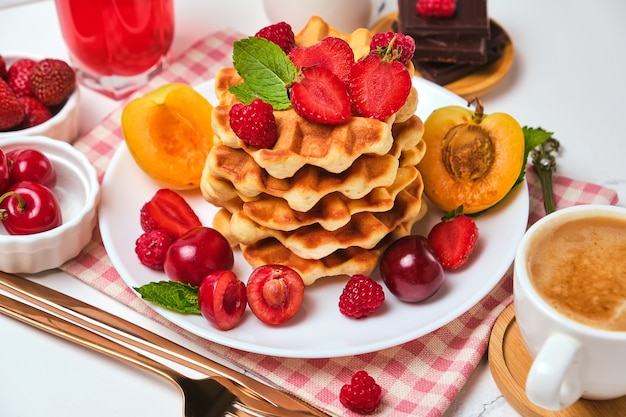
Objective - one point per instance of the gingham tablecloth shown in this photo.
(418, 378)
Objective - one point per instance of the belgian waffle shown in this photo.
(324, 200)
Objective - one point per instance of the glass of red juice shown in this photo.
(117, 46)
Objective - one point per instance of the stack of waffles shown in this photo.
(325, 200)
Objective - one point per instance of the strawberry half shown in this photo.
(454, 240)
(334, 54)
(169, 211)
(379, 86)
(321, 97)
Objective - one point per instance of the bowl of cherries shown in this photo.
(49, 194)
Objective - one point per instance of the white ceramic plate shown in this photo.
(319, 330)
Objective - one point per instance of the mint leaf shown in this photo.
(533, 137)
(172, 295)
(266, 70)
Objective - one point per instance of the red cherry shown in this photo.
(275, 293)
(410, 270)
(196, 253)
(29, 207)
(4, 171)
(222, 299)
(31, 165)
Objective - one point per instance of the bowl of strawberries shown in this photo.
(49, 195)
(39, 96)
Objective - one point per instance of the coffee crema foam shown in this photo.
(579, 268)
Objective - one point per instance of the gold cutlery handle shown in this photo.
(74, 333)
(251, 392)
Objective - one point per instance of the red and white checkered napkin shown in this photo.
(419, 378)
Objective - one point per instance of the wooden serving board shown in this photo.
(510, 362)
(474, 84)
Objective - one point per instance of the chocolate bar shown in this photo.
(463, 49)
(445, 73)
(469, 19)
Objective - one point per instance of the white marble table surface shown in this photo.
(568, 77)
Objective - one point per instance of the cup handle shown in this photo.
(555, 378)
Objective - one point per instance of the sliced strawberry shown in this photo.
(331, 53)
(169, 211)
(222, 299)
(275, 293)
(321, 97)
(454, 240)
(379, 87)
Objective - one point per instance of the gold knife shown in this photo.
(251, 392)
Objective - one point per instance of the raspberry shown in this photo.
(403, 46)
(362, 395)
(435, 8)
(360, 297)
(18, 76)
(255, 123)
(281, 34)
(151, 248)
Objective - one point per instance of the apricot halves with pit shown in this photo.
(168, 132)
(472, 159)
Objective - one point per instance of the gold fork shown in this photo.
(264, 399)
(201, 397)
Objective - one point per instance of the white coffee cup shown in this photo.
(572, 360)
(344, 15)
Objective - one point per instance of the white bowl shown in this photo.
(78, 192)
(62, 126)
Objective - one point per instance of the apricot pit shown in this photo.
(472, 159)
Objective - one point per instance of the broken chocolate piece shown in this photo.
(445, 73)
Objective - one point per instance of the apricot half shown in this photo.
(471, 159)
(168, 132)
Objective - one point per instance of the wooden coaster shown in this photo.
(474, 84)
(510, 362)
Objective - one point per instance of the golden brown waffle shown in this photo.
(365, 229)
(349, 261)
(325, 200)
(331, 212)
(228, 168)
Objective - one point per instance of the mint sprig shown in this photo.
(172, 295)
(533, 137)
(266, 70)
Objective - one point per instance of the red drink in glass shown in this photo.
(117, 45)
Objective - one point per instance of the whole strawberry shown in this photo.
(254, 123)
(18, 76)
(402, 46)
(280, 33)
(453, 240)
(52, 81)
(3, 68)
(35, 112)
(151, 248)
(362, 395)
(361, 297)
(11, 111)
(436, 8)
